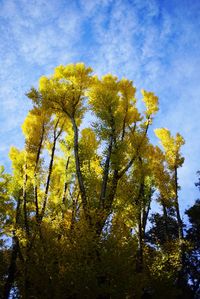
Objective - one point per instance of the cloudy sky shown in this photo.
(155, 43)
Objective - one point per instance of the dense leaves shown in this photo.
(76, 208)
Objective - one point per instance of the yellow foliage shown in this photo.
(151, 102)
(172, 146)
(64, 90)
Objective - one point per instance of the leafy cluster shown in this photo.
(77, 204)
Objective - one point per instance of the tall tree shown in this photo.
(82, 193)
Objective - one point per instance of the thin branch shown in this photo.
(130, 163)
(56, 135)
(25, 200)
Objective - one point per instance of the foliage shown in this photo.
(77, 204)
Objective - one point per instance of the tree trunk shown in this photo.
(11, 269)
(179, 221)
(14, 254)
(166, 232)
(25, 202)
(78, 171)
(35, 174)
(65, 186)
(105, 174)
(48, 180)
(55, 137)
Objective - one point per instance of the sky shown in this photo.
(155, 43)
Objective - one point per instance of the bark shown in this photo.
(179, 220)
(140, 229)
(56, 135)
(165, 221)
(143, 210)
(78, 170)
(48, 181)
(65, 186)
(25, 202)
(26, 223)
(106, 201)
(35, 173)
(145, 213)
(141, 245)
(11, 269)
(181, 277)
(130, 163)
(106, 173)
(14, 254)
(124, 122)
(74, 209)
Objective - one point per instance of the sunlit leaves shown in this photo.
(64, 90)
(151, 103)
(172, 146)
(82, 190)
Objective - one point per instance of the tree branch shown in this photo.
(78, 168)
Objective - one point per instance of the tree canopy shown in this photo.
(77, 203)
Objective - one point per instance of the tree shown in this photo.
(192, 235)
(82, 195)
(172, 146)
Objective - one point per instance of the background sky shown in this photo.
(155, 43)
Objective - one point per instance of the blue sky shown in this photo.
(154, 43)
